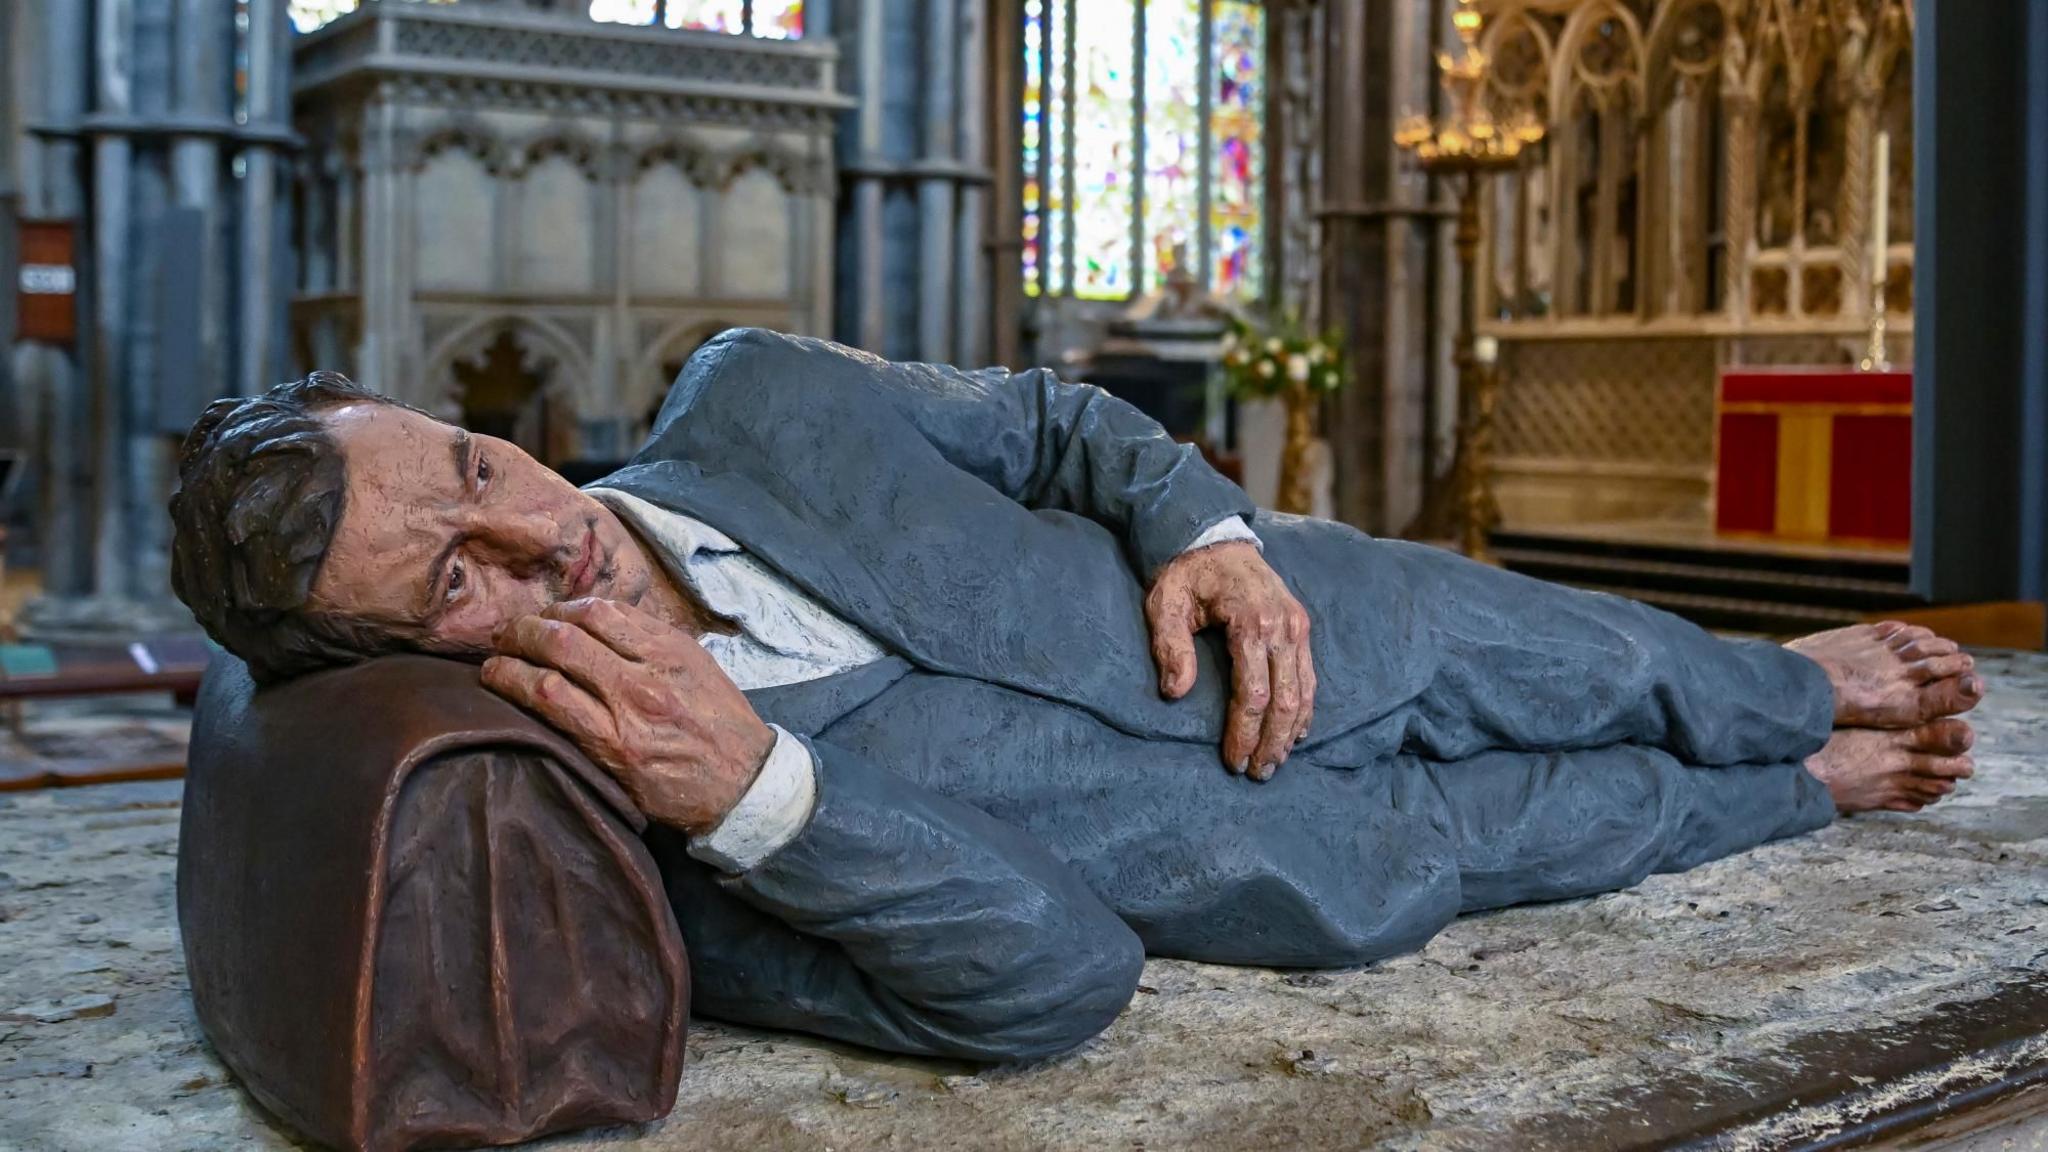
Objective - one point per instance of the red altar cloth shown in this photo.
(1814, 454)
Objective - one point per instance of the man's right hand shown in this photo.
(641, 699)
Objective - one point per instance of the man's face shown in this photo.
(446, 535)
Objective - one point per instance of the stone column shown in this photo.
(107, 356)
(59, 62)
(11, 407)
(1005, 83)
(935, 185)
(260, 327)
(377, 356)
(1379, 247)
(969, 311)
(206, 35)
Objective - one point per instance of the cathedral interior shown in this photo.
(1735, 307)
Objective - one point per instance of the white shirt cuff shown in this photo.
(1224, 531)
(774, 809)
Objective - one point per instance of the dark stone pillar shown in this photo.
(1980, 419)
(1380, 254)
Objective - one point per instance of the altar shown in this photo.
(1815, 455)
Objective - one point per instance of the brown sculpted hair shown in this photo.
(261, 484)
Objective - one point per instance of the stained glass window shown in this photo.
(1141, 145)
(306, 15)
(1105, 139)
(1235, 104)
(706, 15)
(768, 19)
(1173, 138)
(1033, 139)
(622, 11)
(779, 19)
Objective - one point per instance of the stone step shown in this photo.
(1745, 588)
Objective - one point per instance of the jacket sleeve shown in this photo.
(903, 920)
(1073, 447)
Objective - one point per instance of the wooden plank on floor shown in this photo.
(26, 775)
(1834, 1089)
(2021, 624)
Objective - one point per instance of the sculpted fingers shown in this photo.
(566, 648)
(557, 700)
(1251, 695)
(624, 629)
(1170, 613)
(1276, 736)
(1306, 656)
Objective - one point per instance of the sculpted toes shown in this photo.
(1945, 737)
(1907, 635)
(1950, 697)
(1939, 668)
(1929, 647)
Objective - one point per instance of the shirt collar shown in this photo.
(679, 537)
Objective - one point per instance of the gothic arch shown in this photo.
(1578, 63)
(575, 146)
(798, 175)
(550, 346)
(461, 133)
(698, 164)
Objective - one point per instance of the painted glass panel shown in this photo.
(1105, 138)
(306, 15)
(1173, 138)
(708, 15)
(622, 11)
(779, 19)
(1058, 110)
(1236, 208)
(1033, 142)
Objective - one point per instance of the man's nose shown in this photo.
(519, 538)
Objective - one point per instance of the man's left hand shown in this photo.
(641, 699)
(1273, 696)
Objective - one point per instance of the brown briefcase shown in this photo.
(413, 915)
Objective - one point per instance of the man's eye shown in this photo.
(483, 470)
(457, 577)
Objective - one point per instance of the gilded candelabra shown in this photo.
(1465, 145)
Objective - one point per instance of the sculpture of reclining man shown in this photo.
(922, 675)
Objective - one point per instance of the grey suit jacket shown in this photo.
(976, 877)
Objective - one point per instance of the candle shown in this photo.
(1880, 210)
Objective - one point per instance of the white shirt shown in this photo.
(785, 637)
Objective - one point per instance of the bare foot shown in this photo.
(1893, 675)
(1900, 770)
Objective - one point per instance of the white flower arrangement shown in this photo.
(1270, 360)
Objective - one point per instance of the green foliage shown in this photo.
(1266, 359)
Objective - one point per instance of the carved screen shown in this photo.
(1142, 146)
(1703, 157)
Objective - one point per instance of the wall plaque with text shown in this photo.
(47, 288)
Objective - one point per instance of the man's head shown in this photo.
(322, 523)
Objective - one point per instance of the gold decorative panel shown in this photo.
(1647, 401)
